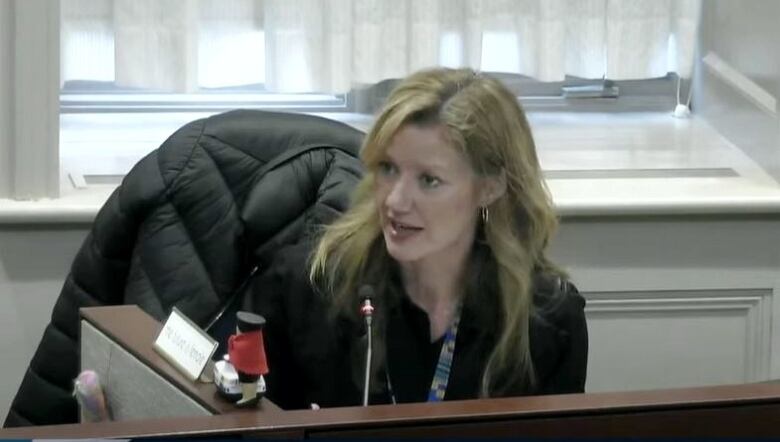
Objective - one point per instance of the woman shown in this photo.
(449, 227)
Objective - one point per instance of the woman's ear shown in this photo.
(493, 188)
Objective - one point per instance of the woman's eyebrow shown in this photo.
(437, 165)
(429, 163)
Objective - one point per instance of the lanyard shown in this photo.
(442, 375)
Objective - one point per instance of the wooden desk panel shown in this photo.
(738, 410)
(739, 421)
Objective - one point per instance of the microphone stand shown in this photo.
(367, 310)
(368, 359)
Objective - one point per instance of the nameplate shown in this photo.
(185, 345)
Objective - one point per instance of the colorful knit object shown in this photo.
(89, 395)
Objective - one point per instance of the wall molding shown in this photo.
(754, 305)
(740, 82)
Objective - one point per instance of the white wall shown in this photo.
(34, 261)
(745, 36)
(677, 301)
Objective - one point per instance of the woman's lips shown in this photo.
(400, 231)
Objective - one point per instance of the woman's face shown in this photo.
(427, 195)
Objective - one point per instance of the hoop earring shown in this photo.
(485, 212)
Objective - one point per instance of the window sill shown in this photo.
(77, 206)
(596, 164)
(573, 198)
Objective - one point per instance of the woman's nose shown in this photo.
(399, 199)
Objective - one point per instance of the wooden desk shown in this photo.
(737, 410)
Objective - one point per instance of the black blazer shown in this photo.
(314, 359)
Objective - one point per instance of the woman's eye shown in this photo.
(430, 181)
(385, 168)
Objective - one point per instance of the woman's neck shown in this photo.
(437, 288)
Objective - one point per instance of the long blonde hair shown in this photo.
(486, 124)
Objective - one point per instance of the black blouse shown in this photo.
(314, 359)
(411, 357)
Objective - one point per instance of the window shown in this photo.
(155, 65)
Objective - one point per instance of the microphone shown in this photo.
(365, 294)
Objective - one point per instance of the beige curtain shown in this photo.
(331, 45)
(167, 45)
(325, 45)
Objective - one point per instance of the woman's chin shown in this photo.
(400, 253)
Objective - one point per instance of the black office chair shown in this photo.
(185, 227)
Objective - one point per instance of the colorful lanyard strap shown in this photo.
(442, 375)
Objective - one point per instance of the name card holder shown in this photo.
(185, 345)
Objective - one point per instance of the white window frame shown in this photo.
(29, 99)
(123, 102)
